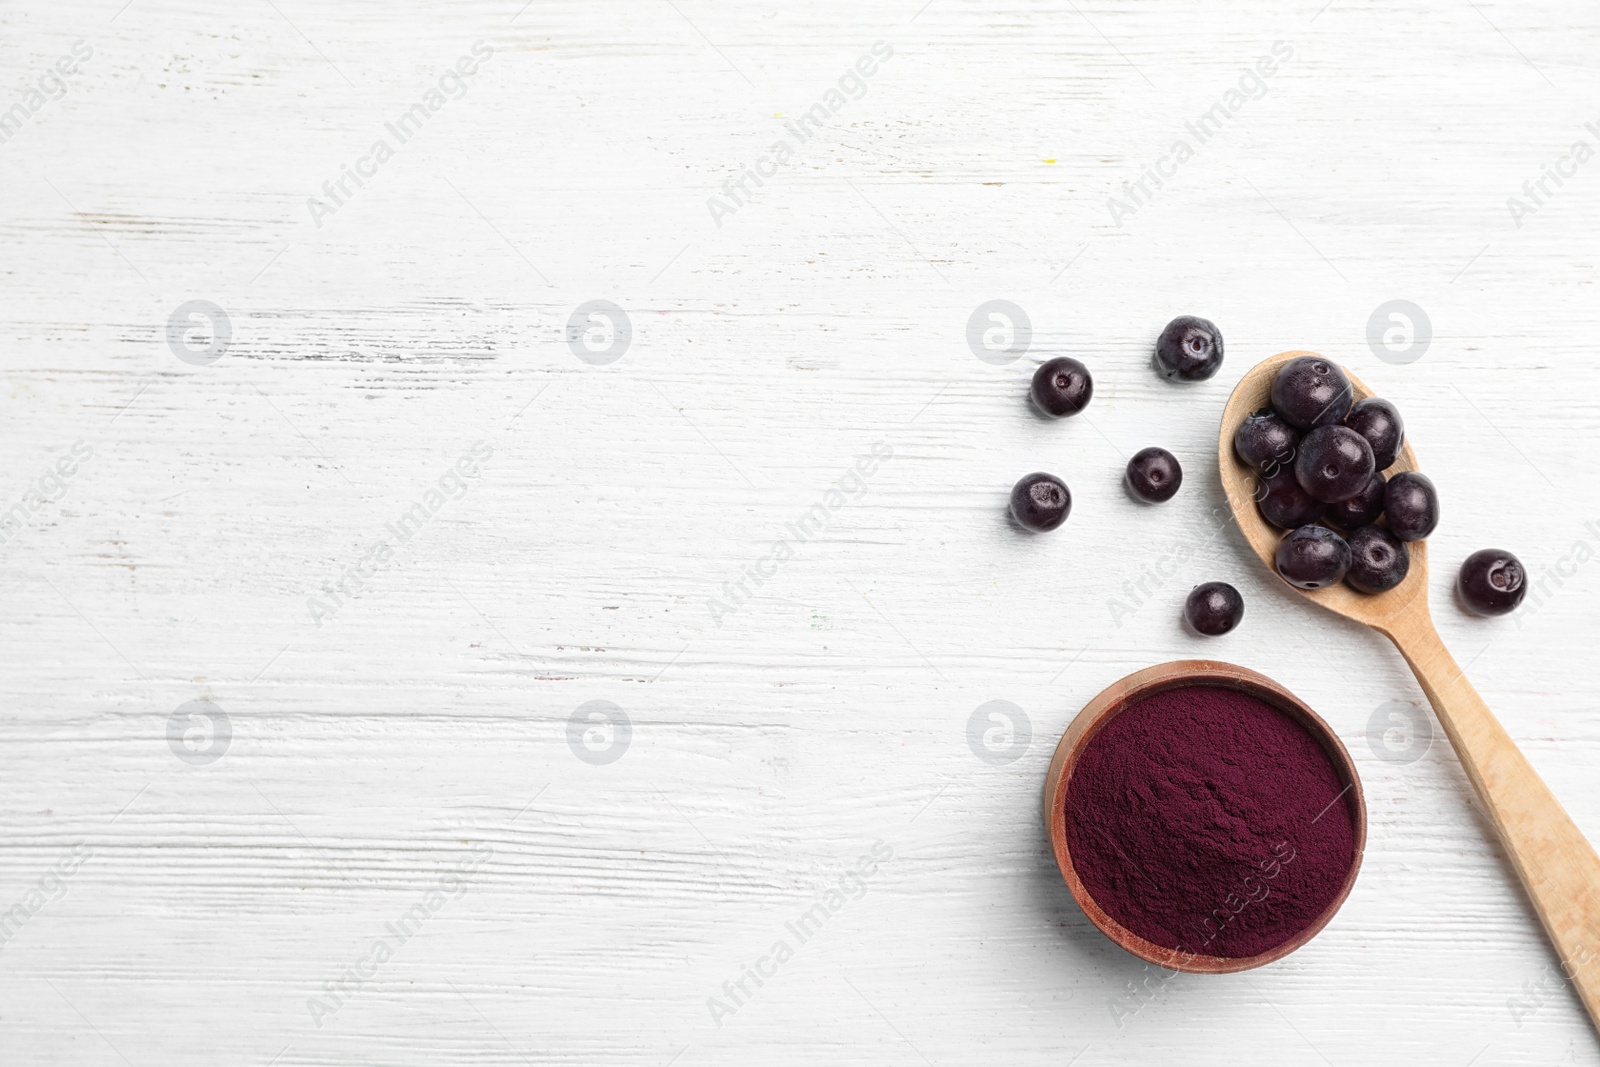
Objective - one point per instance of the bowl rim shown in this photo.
(1117, 697)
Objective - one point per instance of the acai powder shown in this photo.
(1205, 820)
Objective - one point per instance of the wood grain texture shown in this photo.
(377, 754)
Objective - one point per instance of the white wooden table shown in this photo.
(302, 655)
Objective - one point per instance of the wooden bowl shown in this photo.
(1130, 690)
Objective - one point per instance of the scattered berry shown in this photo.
(1188, 350)
(1062, 386)
(1378, 560)
(1284, 503)
(1264, 440)
(1154, 475)
(1361, 509)
(1335, 463)
(1310, 391)
(1040, 502)
(1411, 505)
(1492, 582)
(1213, 608)
(1312, 557)
(1379, 422)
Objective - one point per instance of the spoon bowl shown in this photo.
(1242, 483)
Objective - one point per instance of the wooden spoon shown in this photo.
(1557, 865)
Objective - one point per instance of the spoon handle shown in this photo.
(1557, 865)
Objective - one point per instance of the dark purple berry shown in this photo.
(1264, 440)
(1310, 391)
(1312, 557)
(1334, 464)
(1379, 422)
(1411, 505)
(1188, 350)
(1361, 509)
(1213, 608)
(1062, 386)
(1492, 582)
(1284, 503)
(1154, 475)
(1378, 560)
(1040, 502)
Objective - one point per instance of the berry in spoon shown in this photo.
(1265, 441)
(1361, 509)
(1412, 505)
(1310, 391)
(1335, 463)
(1283, 502)
(1312, 557)
(1378, 560)
(1379, 422)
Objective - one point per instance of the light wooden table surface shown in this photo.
(324, 532)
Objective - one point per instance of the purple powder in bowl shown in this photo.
(1205, 820)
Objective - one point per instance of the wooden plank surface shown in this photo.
(399, 536)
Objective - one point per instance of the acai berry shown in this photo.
(1492, 582)
(1213, 609)
(1335, 463)
(1265, 441)
(1310, 391)
(1411, 505)
(1361, 509)
(1284, 503)
(1154, 475)
(1040, 502)
(1189, 350)
(1312, 557)
(1061, 386)
(1379, 422)
(1378, 560)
